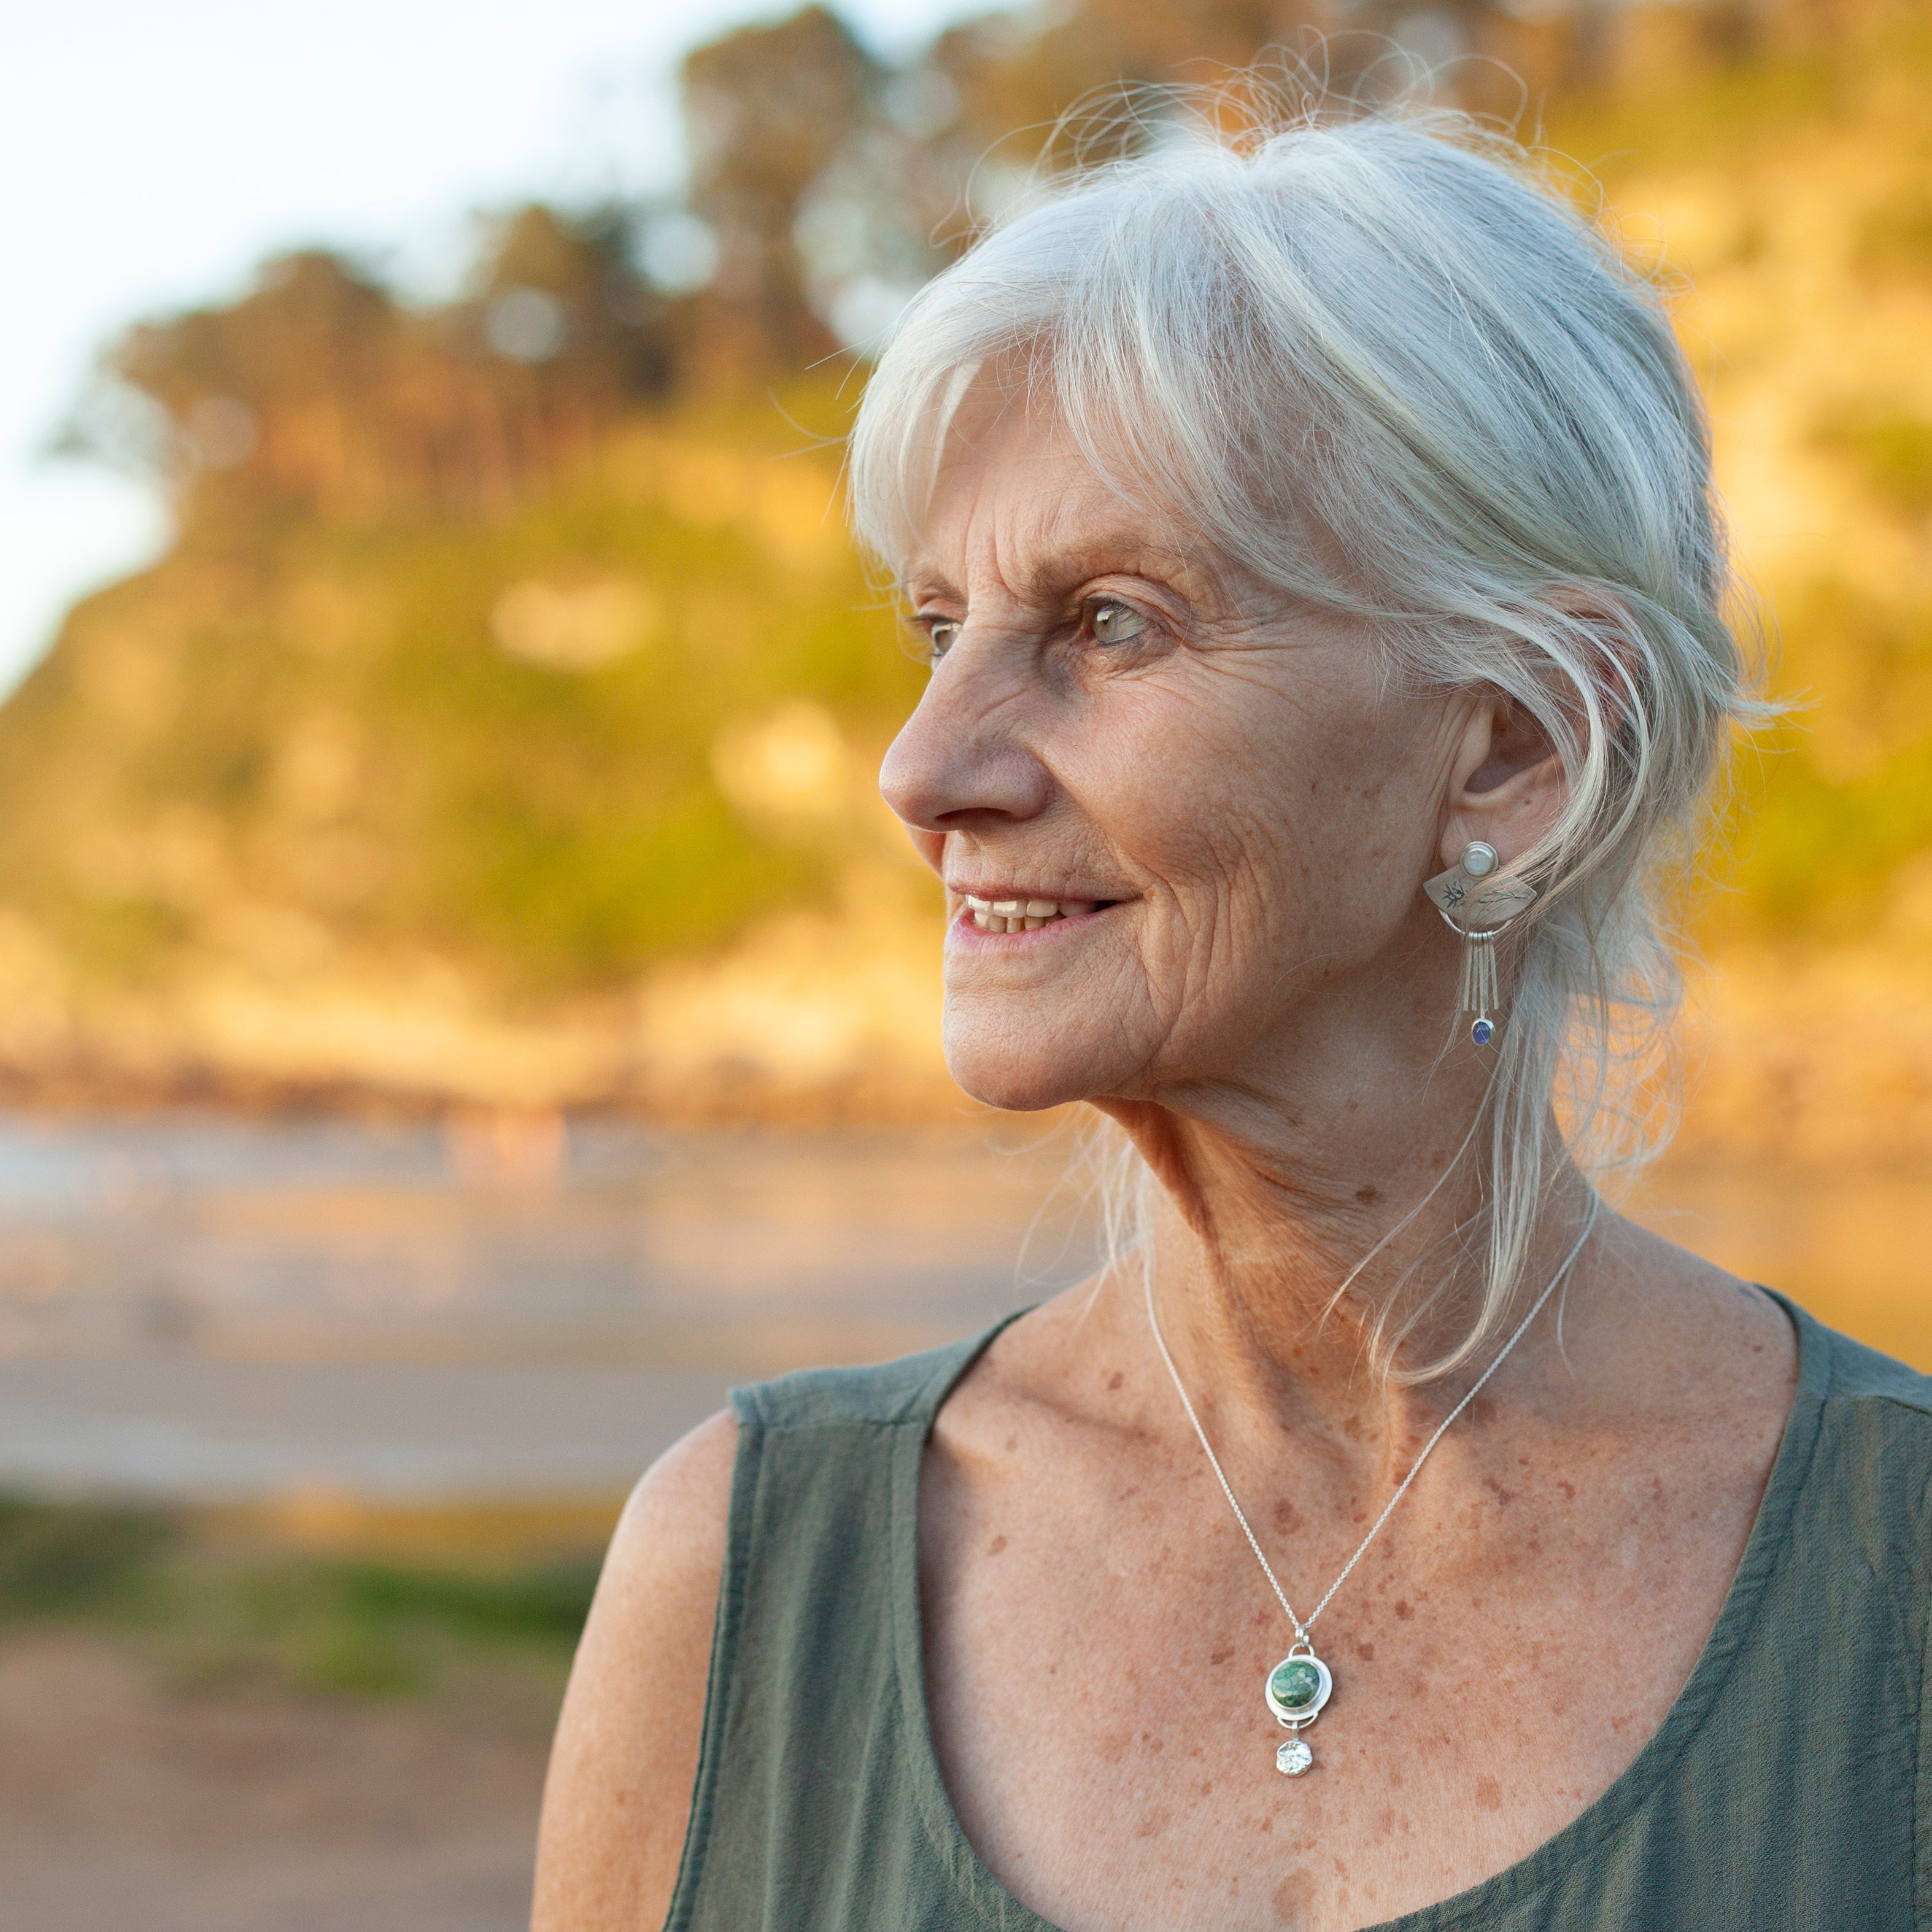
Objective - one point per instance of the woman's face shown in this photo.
(1228, 806)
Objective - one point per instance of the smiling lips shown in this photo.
(1023, 915)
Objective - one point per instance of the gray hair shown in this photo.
(1388, 338)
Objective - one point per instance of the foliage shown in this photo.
(347, 720)
(311, 1623)
(1770, 167)
(60, 1557)
(1891, 450)
(466, 598)
(374, 1629)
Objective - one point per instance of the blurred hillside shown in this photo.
(1794, 197)
(500, 727)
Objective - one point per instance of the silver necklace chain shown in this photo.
(1301, 1629)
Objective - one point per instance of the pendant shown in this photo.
(1296, 1689)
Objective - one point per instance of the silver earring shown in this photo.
(1477, 901)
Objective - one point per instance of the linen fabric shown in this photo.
(1788, 1789)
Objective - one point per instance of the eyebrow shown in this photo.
(1122, 556)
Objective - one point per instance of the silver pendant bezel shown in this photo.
(1308, 1713)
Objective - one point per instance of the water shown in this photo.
(219, 1310)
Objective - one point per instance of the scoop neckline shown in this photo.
(1599, 1821)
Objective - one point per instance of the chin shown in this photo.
(1023, 1067)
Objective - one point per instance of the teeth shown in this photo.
(1022, 915)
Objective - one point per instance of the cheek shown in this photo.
(1208, 805)
(1265, 821)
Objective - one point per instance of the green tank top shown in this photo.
(1790, 1785)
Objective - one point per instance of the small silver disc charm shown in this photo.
(1293, 1758)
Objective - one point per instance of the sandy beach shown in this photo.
(129, 1803)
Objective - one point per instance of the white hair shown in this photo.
(1387, 338)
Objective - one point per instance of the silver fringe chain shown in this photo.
(1476, 900)
(1481, 992)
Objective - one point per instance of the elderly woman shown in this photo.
(1315, 538)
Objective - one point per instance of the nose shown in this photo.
(960, 761)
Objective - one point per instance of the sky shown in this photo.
(150, 156)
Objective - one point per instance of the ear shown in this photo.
(1508, 786)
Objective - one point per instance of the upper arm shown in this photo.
(618, 1797)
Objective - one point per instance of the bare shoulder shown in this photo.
(618, 1796)
(1716, 1317)
(1073, 1362)
(1703, 1364)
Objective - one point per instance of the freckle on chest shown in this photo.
(1293, 1896)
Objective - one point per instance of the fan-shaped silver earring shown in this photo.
(1478, 901)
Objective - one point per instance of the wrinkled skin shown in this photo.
(1264, 1004)
(1112, 717)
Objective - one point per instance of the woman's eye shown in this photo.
(942, 634)
(1116, 623)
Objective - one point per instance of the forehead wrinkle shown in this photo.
(1015, 491)
(1034, 559)
(1012, 448)
(1088, 529)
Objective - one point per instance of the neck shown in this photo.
(1303, 1280)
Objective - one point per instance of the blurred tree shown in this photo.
(468, 596)
(830, 186)
(767, 111)
(594, 314)
(319, 391)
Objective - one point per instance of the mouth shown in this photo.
(1027, 914)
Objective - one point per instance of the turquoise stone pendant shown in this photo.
(1297, 1689)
